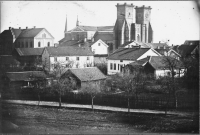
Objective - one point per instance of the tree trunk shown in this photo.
(128, 105)
(38, 99)
(93, 104)
(60, 101)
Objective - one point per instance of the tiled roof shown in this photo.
(191, 42)
(68, 43)
(128, 53)
(160, 62)
(17, 32)
(93, 28)
(29, 51)
(69, 51)
(105, 36)
(88, 74)
(22, 76)
(141, 44)
(8, 59)
(162, 51)
(156, 45)
(185, 50)
(30, 32)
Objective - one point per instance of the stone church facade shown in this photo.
(132, 24)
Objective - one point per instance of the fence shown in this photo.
(142, 102)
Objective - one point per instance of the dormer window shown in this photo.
(99, 44)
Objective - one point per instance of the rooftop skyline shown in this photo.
(177, 21)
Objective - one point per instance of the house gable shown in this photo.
(150, 52)
(44, 34)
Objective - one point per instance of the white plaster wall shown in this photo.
(43, 40)
(117, 62)
(148, 53)
(102, 49)
(82, 61)
(90, 34)
(165, 73)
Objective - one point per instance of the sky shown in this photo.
(175, 21)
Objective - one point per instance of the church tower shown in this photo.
(65, 26)
(143, 17)
(122, 28)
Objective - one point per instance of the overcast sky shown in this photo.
(177, 21)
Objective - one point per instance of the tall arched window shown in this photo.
(31, 45)
(48, 44)
(39, 44)
(26, 44)
(138, 37)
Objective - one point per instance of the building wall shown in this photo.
(82, 62)
(6, 43)
(99, 48)
(24, 43)
(162, 73)
(118, 64)
(45, 39)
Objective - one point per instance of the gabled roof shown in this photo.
(68, 43)
(128, 53)
(24, 76)
(186, 50)
(17, 32)
(88, 74)
(160, 62)
(29, 51)
(100, 42)
(105, 36)
(30, 32)
(69, 51)
(8, 59)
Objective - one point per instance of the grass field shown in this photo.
(43, 120)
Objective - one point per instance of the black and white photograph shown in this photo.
(99, 67)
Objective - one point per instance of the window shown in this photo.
(67, 58)
(48, 44)
(121, 60)
(55, 58)
(88, 58)
(118, 66)
(111, 66)
(38, 44)
(114, 66)
(22, 44)
(99, 44)
(77, 58)
(26, 44)
(31, 45)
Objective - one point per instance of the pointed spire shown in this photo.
(66, 25)
(77, 22)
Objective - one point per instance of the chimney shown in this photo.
(20, 28)
(34, 27)
(9, 28)
(26, 27)
(125, 3)
(159, 42)
(172, 45)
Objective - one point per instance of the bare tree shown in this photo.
(93, 88)
(61, 84)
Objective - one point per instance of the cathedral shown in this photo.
(132, 24)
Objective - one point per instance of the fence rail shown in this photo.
(142, 102)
